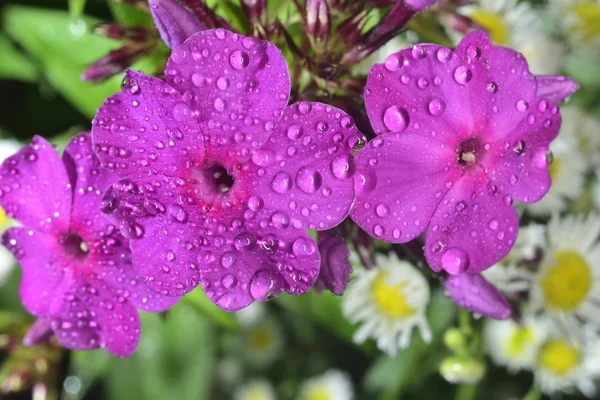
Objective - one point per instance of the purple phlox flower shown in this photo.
(395, 20)
(221, 177)
(77, 273)
(473, 292)
(460, 136)
(335, 263)
(174, 23)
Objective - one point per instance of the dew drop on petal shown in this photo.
(396, 119)
(265, 285)
(455, 261)
(239, 59)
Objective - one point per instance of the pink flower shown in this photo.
(461, 134)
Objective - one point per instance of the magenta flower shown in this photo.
(461, 135)
(77, 273)
(472, 291)
(221, 177)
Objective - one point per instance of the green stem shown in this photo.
(533, 394)
(466, 392)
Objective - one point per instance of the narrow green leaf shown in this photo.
(76, 8)
(14, 64)
(64, 49)
(128, 15)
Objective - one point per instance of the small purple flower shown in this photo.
(472, 291)
(461, 134)
(335, 264)
(221, 177)
(77, 273)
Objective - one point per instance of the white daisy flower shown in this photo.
(563, 366)
(388, 301)
(507, 275)
(512, 345)
(332, 385)
(585, 128)
(258, 389)
(7, 261)
(263, 342)
(567, 284)
(567, 171)
(579, 20)
(517, 25)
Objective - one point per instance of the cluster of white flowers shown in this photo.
(557, 269)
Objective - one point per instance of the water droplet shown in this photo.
(303, 247)
(444, 55)
(455, 261)
(393, 62)
(382, 210)
(542, 158)
(265, 285)
(309, 180)
(493, 224)
(227, 260)
(543, 105)
(378, 230)
(522, 106)
(365, 181)
(280, 220)
(229, 281)
(294, 132)
(491, 87)
(263, 157)
(222, 83)
(304, 107)
(396, 119)
(437, 107)
(463, 75)
(255, 203)
(473, 52)
(281, 183)
(220, 104)
(178, 213)
(182, 112)
(239, 59)
(343, 166)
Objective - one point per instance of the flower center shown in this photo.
(554, 168)
(318, 392)
(469, 153)
(261, 339)
(568, 282)
(494, 24)
(217, 179)
(74, 246)
(559, 357)
(390, 299)
(588, 14)
(4, 220)
(518, 341)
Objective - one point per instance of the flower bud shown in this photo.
(174, 23)
(457, 369)
(318, 20)
(473, 292)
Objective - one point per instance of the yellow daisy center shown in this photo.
(318, 392)
(260, 339)
(494, 24)
(257, 392)
(559, 357)
(390, 299)
(588, 14)
(568, 282)
(554, 168)
(4, 220)
(518, 341)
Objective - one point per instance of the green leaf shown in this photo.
(325, 309)
(64, 49)
(209, 310)
(14, 64)
(127, 15)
